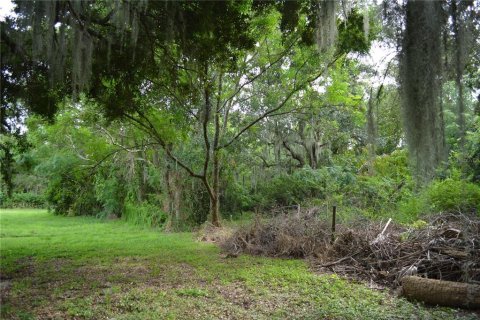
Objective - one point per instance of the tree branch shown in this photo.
(296, 156)
(281, 105)
(264, 70)
(164, 146)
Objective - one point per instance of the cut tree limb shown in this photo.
(442, 293)
(329, 264)
(381, 236)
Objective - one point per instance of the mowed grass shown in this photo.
(83, 268)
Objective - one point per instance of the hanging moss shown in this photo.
(57, 29)
(353, 34)
(421, 73)
(341, 24)
(326, 24)
(366, 21)
(462, 16)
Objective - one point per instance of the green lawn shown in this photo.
(82, 268)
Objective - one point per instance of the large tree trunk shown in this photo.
(442, 293)
(371, 134)
(177, 198)
(215, 194)
(215, 200)
(172, 200)
(215, 211)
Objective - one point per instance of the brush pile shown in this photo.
(286, 235)
(445, 247)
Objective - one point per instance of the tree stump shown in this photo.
(442, 293)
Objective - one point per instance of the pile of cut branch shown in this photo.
(446, 248)
(286, 235)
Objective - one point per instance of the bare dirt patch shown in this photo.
(236, 293)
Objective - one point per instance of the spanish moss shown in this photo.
(60, 29)
(421, 81)
(326, 24)
(461, 20)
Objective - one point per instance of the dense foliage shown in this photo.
(165, 114)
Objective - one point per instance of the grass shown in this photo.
(83, 268)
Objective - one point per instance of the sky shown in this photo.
(6, 7)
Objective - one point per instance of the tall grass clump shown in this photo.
(144, 214)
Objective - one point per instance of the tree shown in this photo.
(152, 64)
(222, 104)
(202, 33)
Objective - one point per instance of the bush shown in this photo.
(193, 205)
(448, 195)
(374, 193)
(410, 209)
(236, 199)
(3, 199)
(23, 200)
(68, 195)
(304, 184)
(394, 166)
(454, 195)
(111, 193)
(377, 194)
(144, 214)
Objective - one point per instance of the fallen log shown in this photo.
(442, 293)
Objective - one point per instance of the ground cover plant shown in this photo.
(85, 268)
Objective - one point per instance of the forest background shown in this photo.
(169, 114)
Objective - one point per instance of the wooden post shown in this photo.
(334, 213)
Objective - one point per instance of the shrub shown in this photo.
(379, 195)
(453, 195)
(375, 193)
(448, 195)
(394, 166)
(304, 184)
(23, 200)
(111, 193)
(195, 204)
(3, 199)
(410, 209)
(390, 182)
(68, 195)
(86, 203)
(236, 199)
